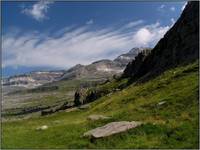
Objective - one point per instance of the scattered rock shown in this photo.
(97, 117)
(71, 109)
(161, 103)
(44, 127)
(84, 106)
(111, 128)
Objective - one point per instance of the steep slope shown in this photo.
(180, 45)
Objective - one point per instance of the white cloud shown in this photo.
(162, 6)
(183, 7)
(173, 21)
(75, 45)
(38, 10)
(149, 34)
(90, 22)
(172, 8)
(133, 23)
(143, 36)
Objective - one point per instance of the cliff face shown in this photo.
(180, 45)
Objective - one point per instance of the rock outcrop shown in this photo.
(111, 128)
(179, 46)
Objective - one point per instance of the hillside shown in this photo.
(173, 124)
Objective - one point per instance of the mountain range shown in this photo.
(101, 69)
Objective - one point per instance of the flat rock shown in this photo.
(44, 127)
(111, 128)
(97, 117)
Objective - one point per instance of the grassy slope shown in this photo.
(171, 125)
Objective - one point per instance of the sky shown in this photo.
(54, 35)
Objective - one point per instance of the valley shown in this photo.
(147, 98)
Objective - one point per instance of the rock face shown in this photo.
(180, 45)
(111, 128)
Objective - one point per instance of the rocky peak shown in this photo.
(124, 59)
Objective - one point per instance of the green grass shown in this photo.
(51, 98)
(171, 125)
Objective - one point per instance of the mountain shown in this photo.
(103, 68)
(167, 105)
(124, 59)
(180, 45)
(33, 79)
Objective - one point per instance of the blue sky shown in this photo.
(51, 35)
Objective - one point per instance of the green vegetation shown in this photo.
(49, 95)
(170, 124)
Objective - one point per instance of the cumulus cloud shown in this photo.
(149, 34)
(75, 45)
(38, 11)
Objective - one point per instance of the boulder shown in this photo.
(97, 117)
(111, 128)
(44, 127)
